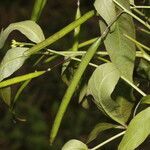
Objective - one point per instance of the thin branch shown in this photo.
(140, 7)
(109, 140)
(137, 43)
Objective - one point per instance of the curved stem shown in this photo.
(136, 108)
(109, 140)
(21, 78)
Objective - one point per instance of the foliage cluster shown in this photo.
(113, 86)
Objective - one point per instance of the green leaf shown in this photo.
(5, 94)
(106, 9)
(74, 145)
(20, 78)
(137, 131)
(29, 28)
(12, 61)
(145, 99)
(121, 50)
(101, 85)
(98, 129)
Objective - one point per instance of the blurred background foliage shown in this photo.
(39, 102)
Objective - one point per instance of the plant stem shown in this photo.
(77, 29)
(20, 91)
(83, 44)
(134, 86)
(21, 78)
(73, 58)
(37, 10)
(73, 54)
(50, 58)
(136, 108)
(109, 140)
(144, 54)
(60, 33)
(145, 31)
(137, 43)
(131, 14)
(80, 53)
(141, 14)
(14, 43)
(76, 53)
(87, 42)
(141, 7)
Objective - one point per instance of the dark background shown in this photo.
(39, 102)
